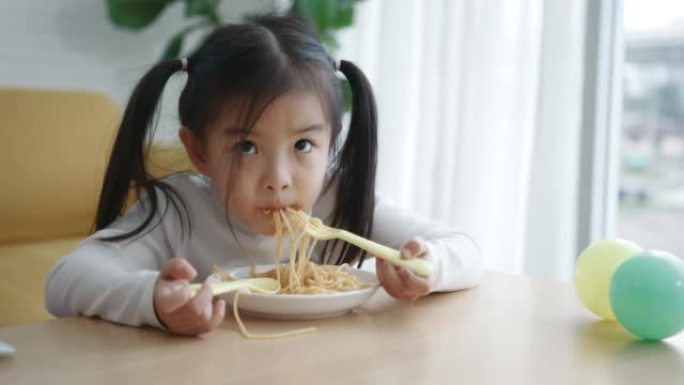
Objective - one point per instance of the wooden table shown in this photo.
(509, 330)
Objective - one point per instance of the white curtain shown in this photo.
(479, 110)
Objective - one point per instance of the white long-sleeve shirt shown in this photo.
(115, 280)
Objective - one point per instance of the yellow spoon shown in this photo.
(257, 285)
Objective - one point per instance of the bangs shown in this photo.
(247, 68)
(251, 95)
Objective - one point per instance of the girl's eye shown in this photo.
(303, 145)
(246, 148)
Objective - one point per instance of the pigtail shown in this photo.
(126, 166)
(357, 164)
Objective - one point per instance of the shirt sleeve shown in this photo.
(114, 280)
(455, 255)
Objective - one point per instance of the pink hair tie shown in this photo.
(184, 64)
(338, 62)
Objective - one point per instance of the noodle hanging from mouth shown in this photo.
(300, 275)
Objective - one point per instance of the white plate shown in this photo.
(301, 306)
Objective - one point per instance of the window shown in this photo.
(651, 186)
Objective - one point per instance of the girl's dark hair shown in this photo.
(247, 66)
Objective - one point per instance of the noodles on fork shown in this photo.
(300, 275)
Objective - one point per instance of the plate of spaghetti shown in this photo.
(307, 290)
(319, 291)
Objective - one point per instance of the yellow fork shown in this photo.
(258, 285)
(316, 229)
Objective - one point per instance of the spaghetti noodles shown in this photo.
(300, 275)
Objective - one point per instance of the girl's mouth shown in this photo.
(271, 210)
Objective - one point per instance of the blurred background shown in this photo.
(652, 145)
(537, 126)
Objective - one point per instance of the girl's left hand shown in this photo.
(400, 282)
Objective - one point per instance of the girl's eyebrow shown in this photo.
(309, 128)
(238, 131)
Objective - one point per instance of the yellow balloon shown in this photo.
(594, 270)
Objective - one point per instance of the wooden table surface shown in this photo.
(509, 330)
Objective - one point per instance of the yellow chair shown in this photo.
(54, 147)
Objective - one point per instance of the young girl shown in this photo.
(261, 121)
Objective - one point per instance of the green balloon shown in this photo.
(647, 295)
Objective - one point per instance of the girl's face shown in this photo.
(282, 162)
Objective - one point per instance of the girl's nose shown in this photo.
(279, 177)
(277, 186)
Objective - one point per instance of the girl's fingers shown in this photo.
(215, 311)
(381, 272)
(172, 290)
(401, 283)
(413, 248)
(218, 314)
(200, 306)
(178, 309)
(171, 295)
(387, 274)
(414, 283)
(178, 268)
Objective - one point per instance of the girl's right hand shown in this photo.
(175, 306)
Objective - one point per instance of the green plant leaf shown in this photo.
(174, 47)
(345, 15)
(327, 16)
(135, 14)
(206, 8)
(329, 39)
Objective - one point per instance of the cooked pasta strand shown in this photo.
(300, 275)
(253, 336)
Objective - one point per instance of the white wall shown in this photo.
(70, 44)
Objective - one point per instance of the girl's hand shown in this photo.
(175, 306)
(399, 281)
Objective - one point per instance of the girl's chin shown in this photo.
(257, 225)
(266, 232)
(267, 229)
